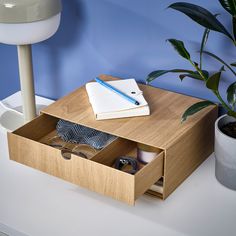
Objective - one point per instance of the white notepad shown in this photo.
(108, 105)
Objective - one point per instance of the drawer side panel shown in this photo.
(188, 152)
(148, 175)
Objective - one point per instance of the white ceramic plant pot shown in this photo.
(225, 153)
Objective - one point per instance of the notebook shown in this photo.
(108, 105)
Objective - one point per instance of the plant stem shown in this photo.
(230, 111)
(222, 101)
(198, 70)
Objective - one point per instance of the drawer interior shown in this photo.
(43, 130)
(120, 147)
(38, 128)
(97, 172)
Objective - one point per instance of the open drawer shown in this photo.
(26, 146)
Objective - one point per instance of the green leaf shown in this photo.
(195, 63)
(203, 43)
(194, 75)
(220, 60)
(233, 64)
(195, 108)
(231, 94)
(202, 16)
(229, 6)
(234, 26)
(155, 74)
(180, 48)
(213, 81)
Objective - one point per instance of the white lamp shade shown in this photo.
(29, 33)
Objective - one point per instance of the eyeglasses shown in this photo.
(68, 149)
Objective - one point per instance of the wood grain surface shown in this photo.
(160, 129)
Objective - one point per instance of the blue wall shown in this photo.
(124, 38)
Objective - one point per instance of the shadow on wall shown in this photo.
(68, 34)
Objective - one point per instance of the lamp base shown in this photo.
(11, 120)
(11, 115)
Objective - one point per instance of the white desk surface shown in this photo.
(37, 204)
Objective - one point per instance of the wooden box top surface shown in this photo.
(160, 129)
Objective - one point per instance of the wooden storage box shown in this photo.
(183, 146)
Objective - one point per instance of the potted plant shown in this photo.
(225, 126)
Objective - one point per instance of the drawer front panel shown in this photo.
(86, 173)
(104, 180)
(39, 156)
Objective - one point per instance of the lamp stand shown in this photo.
(26, 81)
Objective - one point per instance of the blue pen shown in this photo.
(108, 86)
